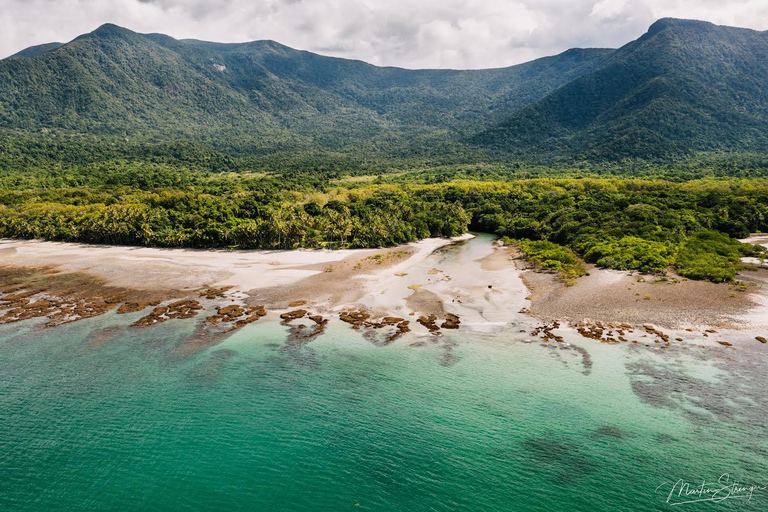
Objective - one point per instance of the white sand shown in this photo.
(486, 300)
(187, 269)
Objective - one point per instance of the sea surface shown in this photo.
(95, 415)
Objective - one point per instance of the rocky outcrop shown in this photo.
(430, 322)
(135, 307)
(355, 317)
(237, 315)
(29, 304)
(215, 293)
(181, 309)
(451, 321)
(293, 315)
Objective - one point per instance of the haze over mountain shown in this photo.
(684, 86)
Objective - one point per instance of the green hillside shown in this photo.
(261, 97)
(683, 87)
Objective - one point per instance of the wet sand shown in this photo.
(618, 297)
(676, 303)
(483, 284)
(68, 282)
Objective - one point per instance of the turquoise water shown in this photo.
(94, 415)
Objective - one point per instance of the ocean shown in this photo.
(96, 415)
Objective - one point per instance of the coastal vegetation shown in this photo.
(648, 225)
(546, 255)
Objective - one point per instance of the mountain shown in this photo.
(683, 87)
(38, 50)
(261, 96)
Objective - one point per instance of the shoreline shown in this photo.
(671, 302)
(487, 288)
(620, 297)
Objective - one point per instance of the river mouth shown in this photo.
(97, 414)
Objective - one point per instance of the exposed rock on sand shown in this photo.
(215, 293)
(293, 315)
(62, 298)
(430, 322)
(354, 317)
(451, 322)
(135, 307)
(360, 319)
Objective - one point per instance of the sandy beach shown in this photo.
(671, 302)
(620, 297)
(484, 284)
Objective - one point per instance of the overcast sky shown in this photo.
(408, 33)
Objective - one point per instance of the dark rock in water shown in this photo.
(402, 327)
(134, 307)
(103, 336)
(319, 320)
(665, 438)
(240, 315)
(187, 308)
(652, 394)
(561, 456)
(362, 319)
(612, 431)
(300, 335)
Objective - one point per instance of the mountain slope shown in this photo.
(683, 87)
(37, 50)
(261, 96)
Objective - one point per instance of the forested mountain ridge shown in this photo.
(683, 87)
(260, 96)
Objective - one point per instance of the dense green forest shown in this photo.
(649, 225)
(682, 89)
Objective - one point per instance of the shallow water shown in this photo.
(94, 415)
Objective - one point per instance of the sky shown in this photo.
(459, 34)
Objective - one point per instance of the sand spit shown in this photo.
(620, 297)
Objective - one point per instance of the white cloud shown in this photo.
(426, 33)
